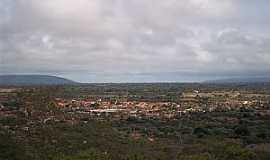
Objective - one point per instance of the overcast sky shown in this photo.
(135, 40)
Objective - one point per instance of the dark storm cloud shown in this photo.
(119, 40)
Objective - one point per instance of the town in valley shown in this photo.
(151, 120)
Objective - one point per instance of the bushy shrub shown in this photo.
(242, 130)
(91, 154)
(194, 157)
(200, 132)
(215, 150)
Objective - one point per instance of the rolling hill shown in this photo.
(242, 80)
(33, 80)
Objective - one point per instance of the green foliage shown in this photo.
(242, 130)
(9, 149)
(201, 136)
(216, 150)
(194, 157)
(200, 132)
(235, 152)
(90, 154)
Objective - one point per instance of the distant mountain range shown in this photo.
(54, 80)
(33, 80)
(242, 80)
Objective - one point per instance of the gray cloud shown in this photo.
(135, 40)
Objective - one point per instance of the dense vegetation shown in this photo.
(233, 135)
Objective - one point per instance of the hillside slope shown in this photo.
(242, 80)
(33, 80)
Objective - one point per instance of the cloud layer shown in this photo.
(135, 40)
